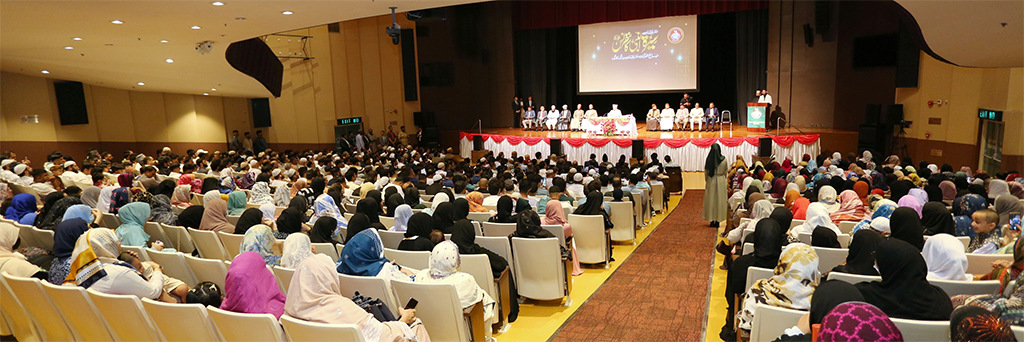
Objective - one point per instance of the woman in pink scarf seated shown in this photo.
(251, 288)
(851, 208)
(189, 180)
(555, 216)
(314, 295)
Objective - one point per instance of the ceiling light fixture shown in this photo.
(45, 71)
(76, 38)
(117, 22)
(196, 27)
(240, 18)
(169, 60)
(69, 48)
(217, 3)
(287, 12)
(213, 89)
(164, 41)
(140, 83)
(206, 94)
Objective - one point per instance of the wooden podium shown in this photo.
(757, 113)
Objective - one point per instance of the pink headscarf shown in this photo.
(251, 288)
(553, 215)
(912, 203)
(948, 190)
(851, 206)
(188, 179)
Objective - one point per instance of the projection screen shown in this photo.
(648, 55)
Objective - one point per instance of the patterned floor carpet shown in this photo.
(660, 292)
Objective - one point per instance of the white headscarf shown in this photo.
(817, 216)
(444, 269)
(439, 198)
(296, 249)
(282, 195)
(210, 196)
(402, 215)
(827, 197)
(268, 211)
(997, 187)
(946, 258)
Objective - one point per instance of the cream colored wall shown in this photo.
(966, 90)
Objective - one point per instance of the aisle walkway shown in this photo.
(660, 292)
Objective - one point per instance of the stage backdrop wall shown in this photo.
(546, 65)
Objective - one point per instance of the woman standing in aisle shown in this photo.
(716, 207)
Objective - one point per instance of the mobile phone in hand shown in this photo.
(411, 304)
(1015, 221)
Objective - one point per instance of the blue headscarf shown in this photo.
(260, 239)
(963, 208)
(133, 216)
(884, 210)
(79, 211)
(23, 209)
(66, 234)
(363, 255)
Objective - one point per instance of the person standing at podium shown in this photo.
(765, 98)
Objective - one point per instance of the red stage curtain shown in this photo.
(786, 140)
(576, 142)
(535, 140)
(623, 142)
(528, 15)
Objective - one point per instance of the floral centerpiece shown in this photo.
(608, 127)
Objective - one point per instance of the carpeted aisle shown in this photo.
(660, 292)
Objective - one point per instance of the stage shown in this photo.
(688, 149)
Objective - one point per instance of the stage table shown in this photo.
(624, 125)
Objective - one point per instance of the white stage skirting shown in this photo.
(689, 153)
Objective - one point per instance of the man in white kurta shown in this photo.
(615, 112)
(697, 117)
(667, 116)
(552, 122)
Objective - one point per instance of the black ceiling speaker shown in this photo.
(254, 58)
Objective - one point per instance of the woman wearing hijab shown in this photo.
(906, 226)
(363, 255)
(791, 287)
(934, 193)
(760, 210)
(444, 269)
(851, 208)
(824, 237)
(912, 203)
(131, 232)
(444, 217)
(291, 219)
(882, 211)
(191, 217)
(899, 189)
(215, 217)
(827, 196)
(281, 197)
(90, 195)
(371, 208)
(182, 196)
(860, 259)
(417, 234)
(210, 184)
(94, 266)
(1005, 205)
(122, 195)
(15, 263)
(973, 323)
(297, 247)
(465, 237)
(504, 211)
(554, 215)
(316, 297)
(827, 296)
(412, 198)
(817, 216)
(998, 187)
(251, 288)
(799, 208)
(194, 184)
(165, 188)
(946, 259)
(56, 213)
(81, 211)
(249, 218)
(904, 291)
(260, 194)
(476, 202)
(936, 219)
(768, 238)
(65, 235)
(161, 211)
(323, 231)
(236, 203)
(963, 208)
(260, 239)
(324, 206)
(402, 214)
(858, 321)
(716, 208)
(392, 203)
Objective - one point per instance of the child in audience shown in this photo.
(987, 241)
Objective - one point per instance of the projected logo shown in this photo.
(756, 114)
(675, 35)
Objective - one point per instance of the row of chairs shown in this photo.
(952, 287)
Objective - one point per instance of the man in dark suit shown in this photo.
(517, 110)
(711, 116)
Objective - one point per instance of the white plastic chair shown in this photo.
(844, 239)
(41, 238)
(370, 287)
(131, 322)
(590, 239)
(968, 287)
(327, 249)
(419, 260)
(541, 270)
(298, 330)
(284, 277)
(388, 222)
(771, 321)
(232, 243)
(622, 218)
(755, 273)
(16, 317)
(502, 247)
(46, 316)
(348, 215)
(143, 256)
(481, 217)
(83, 317)
(439, 309)
(916, 330)
(982, 263)
(830, 257)
(852, 278)
(233, 219)
(180, 238)
(244, 327)
(207, 270)
(847, 226)
(174, 265)
(110, 221)
(208, 244)
(497, 229)
(748, 248)
(1018, 331)
(338, 248)
(557, 231)
(156, 233)
(180, 321)
(795, 223)
(390, 239)
(658, 197)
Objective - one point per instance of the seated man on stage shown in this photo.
(577, 118)
(682, 117)
(615, 112)
(564, 118)
(667, 116)
(528, 118)
(542, 116)
(652, 118)
(552, 122)
(711, 116)
(777, 119)
(697, 117)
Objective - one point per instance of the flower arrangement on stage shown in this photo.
(608, 127)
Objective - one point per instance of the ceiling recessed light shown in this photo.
(240, 18)
(169, 60)
(117, 22)
(196, 27)
(46, 71)
(287, 12)
(213, 89)
(76, 38)
(206, 94)
(69, 48)
(140, 83)
(217, 3)
(164, 41)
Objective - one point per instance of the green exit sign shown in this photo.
(349, 121)
(996, 115)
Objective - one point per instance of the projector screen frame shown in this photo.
(696, 89)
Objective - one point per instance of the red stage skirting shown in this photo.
(781, 140)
